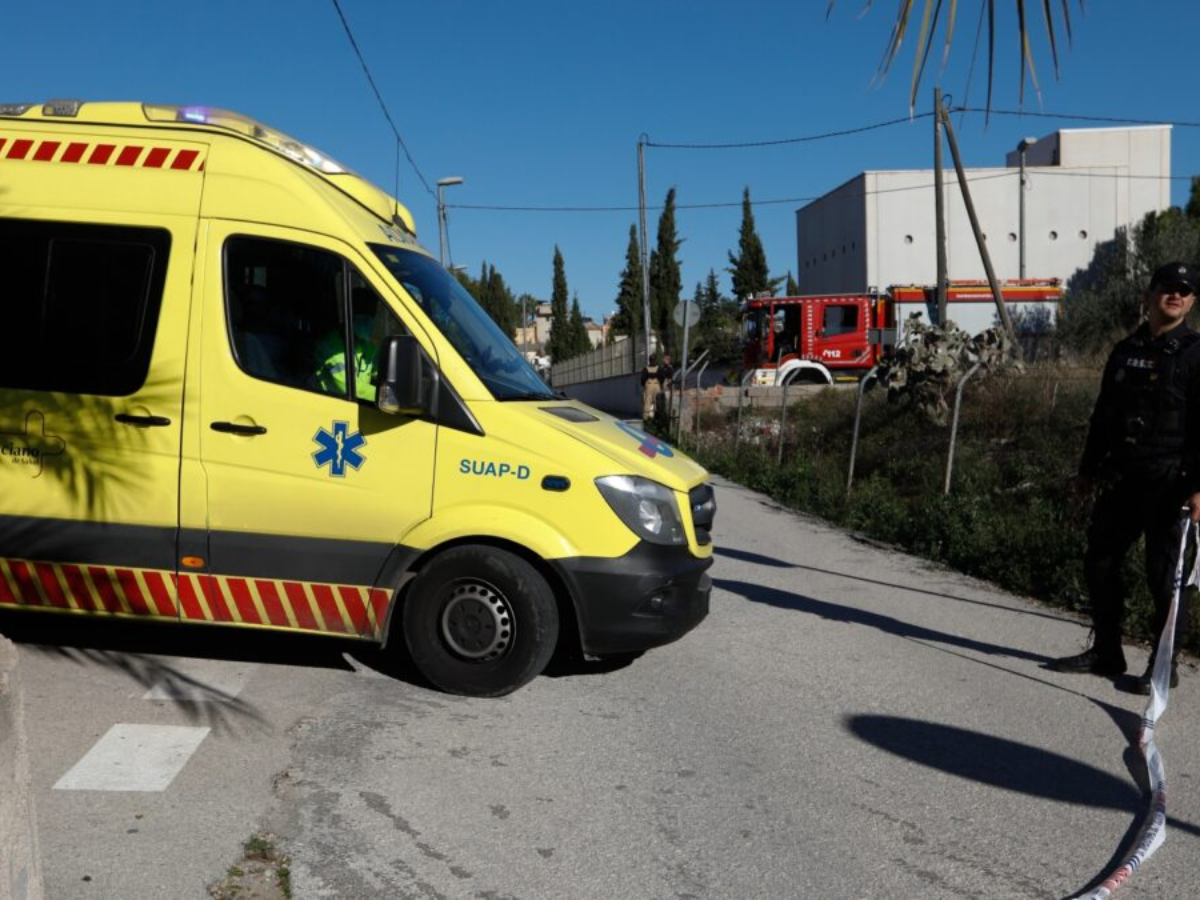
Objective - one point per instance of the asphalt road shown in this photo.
(848, 723)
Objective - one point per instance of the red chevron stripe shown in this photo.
(45, 574)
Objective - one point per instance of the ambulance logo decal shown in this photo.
(650, 445)
(29, 447)
(339, 449)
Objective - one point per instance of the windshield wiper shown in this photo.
(533, 395)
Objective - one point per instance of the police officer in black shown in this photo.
(1143, 457)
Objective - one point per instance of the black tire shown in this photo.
(480, 621)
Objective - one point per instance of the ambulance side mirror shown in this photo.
(405, 378)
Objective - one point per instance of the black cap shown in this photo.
(1176, 273)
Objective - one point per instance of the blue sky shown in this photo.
(540, 104)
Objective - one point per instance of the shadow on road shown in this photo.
(757, 593)
(1013, 766)
(760, 560)
(149, 653)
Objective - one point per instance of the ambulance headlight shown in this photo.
(646, 507)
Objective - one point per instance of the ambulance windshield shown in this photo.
(487, 349)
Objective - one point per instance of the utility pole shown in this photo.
(939, 208)
(1001, 308)
(443, 231)
(645, 243)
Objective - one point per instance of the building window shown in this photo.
(1012, 238)
(1054, 235)
(908, 239)
(1083, 235)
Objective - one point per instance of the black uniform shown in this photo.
(1143, 449)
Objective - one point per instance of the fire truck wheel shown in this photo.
(480, 621)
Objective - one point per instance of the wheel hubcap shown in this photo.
(477, 622)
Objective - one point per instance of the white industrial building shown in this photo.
(878, 229)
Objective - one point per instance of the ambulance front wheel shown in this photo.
(480, 621)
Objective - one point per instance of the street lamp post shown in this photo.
(443, 235)
(1021, 148)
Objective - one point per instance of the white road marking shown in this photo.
(200, 681)
(134, 758)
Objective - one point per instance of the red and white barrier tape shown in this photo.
(1154, 830)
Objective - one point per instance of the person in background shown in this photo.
(1142, 463)
(651, 385)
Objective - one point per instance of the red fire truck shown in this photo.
(822, 338)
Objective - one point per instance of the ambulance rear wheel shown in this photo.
(480, 621)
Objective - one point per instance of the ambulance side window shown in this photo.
(287, 313)
(373, 321)
(80, 305)
(285, 308)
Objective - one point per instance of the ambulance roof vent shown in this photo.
(67, 109)
(246, 127)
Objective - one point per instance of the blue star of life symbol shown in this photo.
(339, 449)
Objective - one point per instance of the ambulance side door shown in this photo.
(92, 349)
(307, 487)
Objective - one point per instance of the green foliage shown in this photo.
(580, 343)
(497, 300)
(560, 344)
(665, 279)
(1009, 518)
(751, 276)
(717, 330)
(628, 318)
(493, 295)
(1104, 301)
(792, 289)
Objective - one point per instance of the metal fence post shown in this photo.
(782, 422)
(737, 440)
(699, 381)
(742, 390)
(862, 389)
(954, 425)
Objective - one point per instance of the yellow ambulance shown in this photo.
(234, 389)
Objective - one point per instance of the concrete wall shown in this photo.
(20, 865)
(620, 396)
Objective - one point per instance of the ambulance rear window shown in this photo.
(80, 305)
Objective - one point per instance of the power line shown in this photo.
(1112, 120)
(742, 145)
(797, 140)
(601, 209)
(383, 106)
(1006, 173)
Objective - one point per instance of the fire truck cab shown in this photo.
(817, 339)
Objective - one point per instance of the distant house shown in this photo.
(532, 338)
(596, 333)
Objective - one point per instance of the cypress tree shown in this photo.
(717, 331)
(628, 317)
(749, 268)
(793, 289)
(559, 345)
(665, 279)
(580, 342)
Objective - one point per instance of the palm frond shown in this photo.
(929, 20)
(1048, 15)
(931, 16)
(952, 14)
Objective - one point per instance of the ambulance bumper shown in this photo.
(650, 596)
